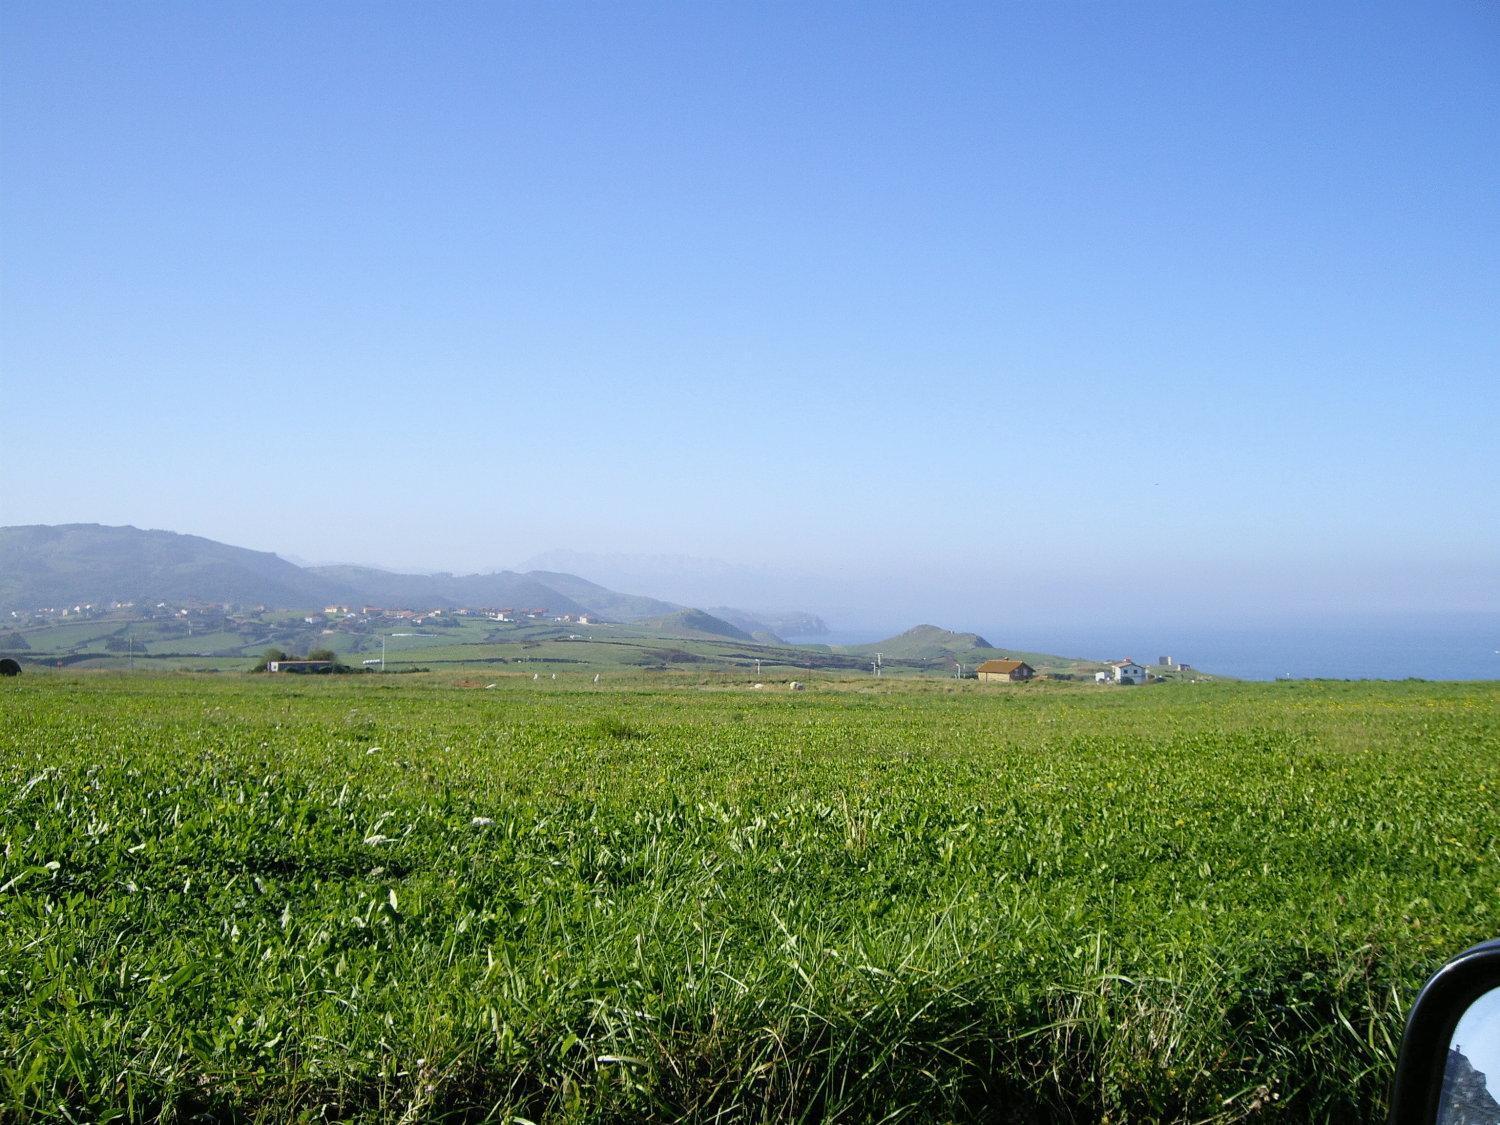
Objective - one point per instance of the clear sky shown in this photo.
(1112, 307)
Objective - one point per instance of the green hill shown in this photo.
(694, 624)
(930, 645)
(928, 642)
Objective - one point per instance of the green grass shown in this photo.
(402, 898)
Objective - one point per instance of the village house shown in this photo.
(300, 666)
(1006, 671)
(1127, 671)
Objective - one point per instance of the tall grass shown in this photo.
(244, 899)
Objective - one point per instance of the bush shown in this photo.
(269, 655)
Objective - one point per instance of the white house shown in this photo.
(1127, 671)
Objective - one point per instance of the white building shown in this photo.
(1127, 671)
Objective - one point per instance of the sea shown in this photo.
(1425, 647)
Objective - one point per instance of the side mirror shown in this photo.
(1448, 1072)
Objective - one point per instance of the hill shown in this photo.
(444, 591)
(607, 603)
(44, 566)
(928, 642)
(934, 646)
(67, 564)
(696, 625)
(772, 626)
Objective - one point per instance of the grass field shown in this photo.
(412, 898)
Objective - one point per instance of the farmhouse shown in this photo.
(1008, 671)
(300, 666)
(1127, 671)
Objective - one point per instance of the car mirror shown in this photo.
(1448, 1072)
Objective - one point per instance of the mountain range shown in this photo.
(62, 565)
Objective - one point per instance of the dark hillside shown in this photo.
(694, 623)
(72, 563)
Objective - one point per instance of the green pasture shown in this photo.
(411, 898)
(602, 648)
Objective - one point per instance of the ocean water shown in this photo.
(1448, 647)
(1428, 647)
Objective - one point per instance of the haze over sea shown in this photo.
(1389, 647)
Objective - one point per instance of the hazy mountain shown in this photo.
(605, 602)
(501, 590)
(747, 623)
(683, 579)
(782, 624)
(43, 566)
(67, 564)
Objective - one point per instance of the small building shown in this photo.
(300, 666)
(1164, 661)
(1101, 677)
(1006, 671)
(1127, 671)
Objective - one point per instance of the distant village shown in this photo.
(234, 613)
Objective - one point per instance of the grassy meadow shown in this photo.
(410, 898)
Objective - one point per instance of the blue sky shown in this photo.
(891, 297)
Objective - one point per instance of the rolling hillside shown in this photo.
(697, 625)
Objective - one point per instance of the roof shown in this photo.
(1002, 665)
(1123, 663)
